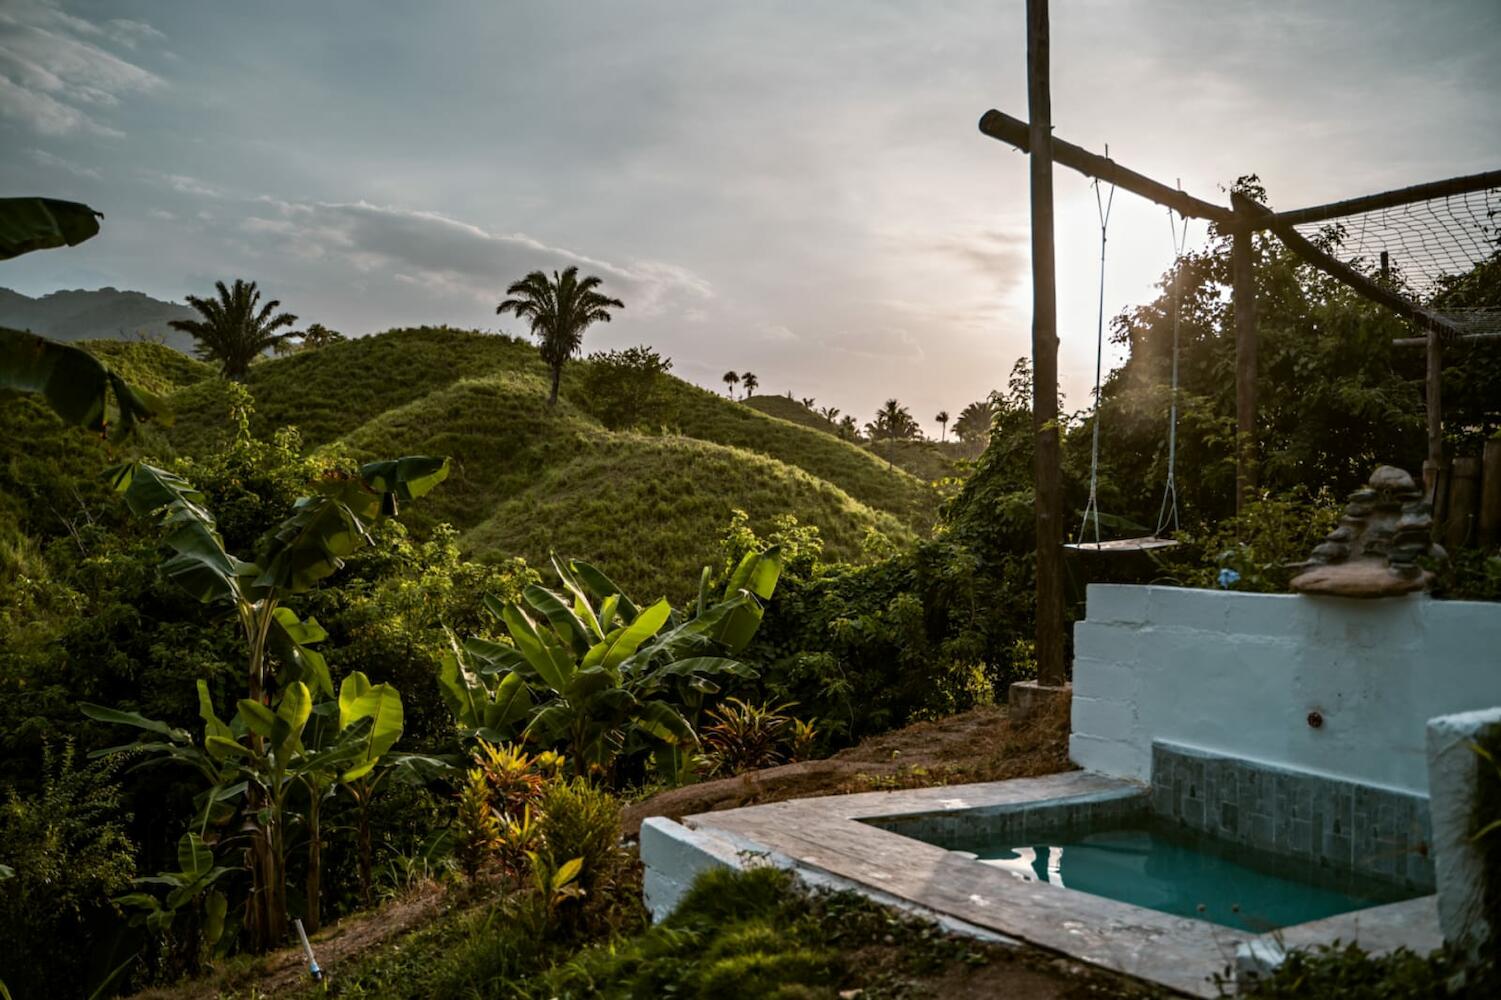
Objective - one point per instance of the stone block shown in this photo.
(1026, 699)
(1111, 643)
(1182, 607)
(1095, 678)
(1110, 602)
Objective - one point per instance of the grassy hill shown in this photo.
(528, 478)
(650, 508)
(792, 411)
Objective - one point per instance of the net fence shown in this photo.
(1424, 248)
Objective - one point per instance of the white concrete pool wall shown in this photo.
(1239, 674)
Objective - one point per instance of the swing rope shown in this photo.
(1169, 512)
(1102, 206)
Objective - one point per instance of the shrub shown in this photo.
(581, 821)
(626, 389)
(69, 853)
(1347, 972)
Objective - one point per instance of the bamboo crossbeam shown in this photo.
(1422, 341)
(1015, 132)
(1392, 199)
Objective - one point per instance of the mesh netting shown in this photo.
(1426, 245)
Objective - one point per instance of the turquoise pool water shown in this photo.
(1191, 877)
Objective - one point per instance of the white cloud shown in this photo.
(452, 258)
(53, 162)
(55, 79)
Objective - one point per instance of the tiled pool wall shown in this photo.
(1024, 823)
(1339, 824)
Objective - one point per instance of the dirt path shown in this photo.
(280, 971)
(978, 745)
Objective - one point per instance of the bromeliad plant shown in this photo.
(600, 677)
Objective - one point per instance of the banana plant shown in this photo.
(309, 546)
(603, 674)
(192, 885)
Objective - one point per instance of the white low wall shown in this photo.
(1239, 674)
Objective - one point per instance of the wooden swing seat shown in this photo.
(1147, 543)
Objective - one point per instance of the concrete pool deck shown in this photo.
(834, 841)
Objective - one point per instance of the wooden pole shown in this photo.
(1434, 465)
(1014, 132)
(1048, 489)
(1464, 499)
(1243, 300)
(1490, 494)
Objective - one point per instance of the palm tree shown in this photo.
(943, 421)
(810, 403)
(560, 310)
(750, 382)
(848, 429)
(233, 331)
(829, 413)
(893, 422)
(317, 335)
(731, 379)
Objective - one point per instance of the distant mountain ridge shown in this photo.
(100, 314)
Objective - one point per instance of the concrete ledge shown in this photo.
(1453, 772)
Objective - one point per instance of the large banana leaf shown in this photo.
(115, 715)
(28, 224)
(601, 586)
(74, 383)
(199, 563)
(553, 662)
(558, 614)
(329, 525)
(758, 573)
(291, 639)
(381, 704)
(624, 642)
(403, 479)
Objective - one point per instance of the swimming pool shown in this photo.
(1160, 868)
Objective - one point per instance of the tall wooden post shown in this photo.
(1243, 299)
(1433, 468)
(1048, 490)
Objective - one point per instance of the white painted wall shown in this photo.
(1453, 774)
(1238, 674)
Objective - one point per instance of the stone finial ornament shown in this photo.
(1386, 528)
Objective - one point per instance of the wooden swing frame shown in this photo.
(1242, 219)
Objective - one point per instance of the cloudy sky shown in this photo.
(795, 187)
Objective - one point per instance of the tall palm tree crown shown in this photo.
(943, 421)
(750, 382)
(731, 379)
(235, 328)
(559, 309)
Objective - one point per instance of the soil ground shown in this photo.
(978, 745)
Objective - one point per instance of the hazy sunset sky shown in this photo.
(792, 187)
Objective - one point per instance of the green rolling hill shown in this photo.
(529, 478)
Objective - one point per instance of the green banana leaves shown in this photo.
(592, 671)
(28, 224)
(75, 384)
